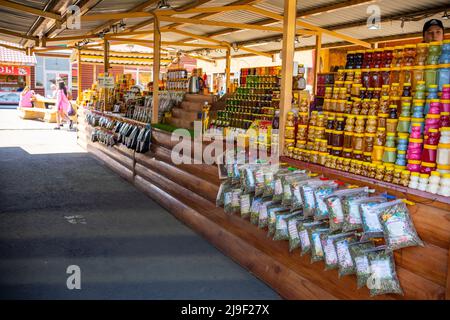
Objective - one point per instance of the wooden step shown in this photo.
(185, 114)
(181, 123)
(191, 106)
(199, 97)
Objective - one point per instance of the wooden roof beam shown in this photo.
(311, 27)
(17, 34)
(23, 8)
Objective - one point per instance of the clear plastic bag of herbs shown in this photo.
(345, 262)
(320, 192)
(231, 201)
(307, 193)
(352, 215)
(286, 182)
(336, 209)
(254, 210)
(269, 180)
(294, 237)
(245, 204)
(383, 277)
(278, 183)
(398, 228)
(371, 223)
(273, 212)
(361, 261)
(224, 187)
(329, 250)
(248, 178)
(303, 227)
(259, 179)
(263, 213)
(317, 253)
(282, 226)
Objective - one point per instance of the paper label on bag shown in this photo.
(372, 220)
(235, 199)
(381, 269)
(255, 205)
(362, 264)
(317, 244)
(281, 223)
(250, 178)
(297, 195)
(343, 253)
(354, 215)
(227, 198)
(309, 198)
(245, 203)
(278, 189)
(304, 239)
(287, 190)
(330, 252)
(263, 211)
(292, 229)
(259, 176)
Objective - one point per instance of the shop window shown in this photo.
(39, 72)
(144, 78)
(57, 64)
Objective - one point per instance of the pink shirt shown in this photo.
(62, 102)
(25, 99)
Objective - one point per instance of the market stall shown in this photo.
(362, 164)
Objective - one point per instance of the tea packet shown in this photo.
(248, 178)
(329, 249)
(317, 253)
(335, 207)
(307, 192)
(282, 227)
(273, 213)
(254, 210)
(304, 228)
(383, 278)
(232, 201)
(269, 180)
(361, 261)
(263, 213)
(294, 238)
(224, 187)
(398, 228)
(371, 223)
(320, 192)
(286, 181)
(245, 205)
(352, 216)
(345, 262)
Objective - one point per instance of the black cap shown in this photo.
(432, 22)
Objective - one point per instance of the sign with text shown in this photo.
(105, 82)
(14, 70)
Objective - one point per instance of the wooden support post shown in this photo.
(290, 12)
(317, 60)
(106, 69)
(156, 69)
(80, 93)
(227, 70)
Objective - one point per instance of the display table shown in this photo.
(44, 108)
(189, 191)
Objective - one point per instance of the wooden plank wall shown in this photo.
(189, 192)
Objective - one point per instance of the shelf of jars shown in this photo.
(176, 80)
(386, 116)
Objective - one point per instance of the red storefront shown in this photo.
(15, 74)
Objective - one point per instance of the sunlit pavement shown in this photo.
(60, 207)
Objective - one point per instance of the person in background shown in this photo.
(62, 106)
(54, 89)
(25, 98)
(433, 30)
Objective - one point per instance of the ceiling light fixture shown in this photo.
(163, 5)
(446, 15)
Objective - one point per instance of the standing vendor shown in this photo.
(433, 30)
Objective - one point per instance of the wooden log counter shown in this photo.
(189, 191)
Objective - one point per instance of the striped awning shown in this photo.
(12, 56)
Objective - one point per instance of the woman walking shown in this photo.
(62, 106)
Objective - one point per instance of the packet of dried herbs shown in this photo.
(383, 278)
(335, 207)
(254, 210)
(317, 253)
(352, 216)
(247, 178)
(303, 227)
(361, 261)
(263, 214)
(224, 187)
(281, 226)
(371, 224)
(269, 180)
(286, 182)
(294, 238)
(232, 201)
(259, 180)
(273, 213)
(322, 191)
(307, 193)
(278, 184)
(245, 201)
(329, 250)
(345, 262)
(398, 228)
